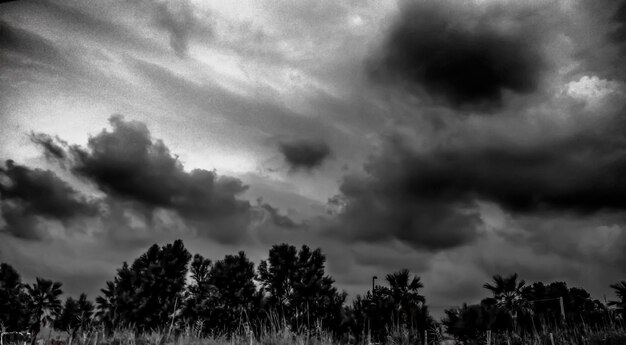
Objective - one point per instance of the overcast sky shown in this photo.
(458, 139)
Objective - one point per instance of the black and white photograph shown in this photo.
(312, 172)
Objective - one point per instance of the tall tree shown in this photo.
(76, 316)
(107, 306)
(299, 288)
(404, 292)
(577, 303)
(14, 311)
(469, 322)
(507, 294)
(201, 296)
(277, 274)
(147, 294)
(45, 304)
(233, 280)
(620, 292)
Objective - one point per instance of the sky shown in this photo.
(456, 138)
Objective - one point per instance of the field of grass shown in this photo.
(614, 334)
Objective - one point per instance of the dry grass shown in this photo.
(275, 332)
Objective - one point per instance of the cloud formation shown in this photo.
(27, 195)
(52, 147)
(139, 174)
(579, 174)
(176, 17)
(463, 54)
(427, 197)
(387, 204)
(28, 50)
(128, 164)
(304, 154)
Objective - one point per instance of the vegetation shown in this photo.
(169, 296)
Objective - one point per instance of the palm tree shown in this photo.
(620, 292)
(107, 306)
(45, 303)
(404, 291)
(507, 293)
(85, 311)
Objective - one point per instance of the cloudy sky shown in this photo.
(456, 138)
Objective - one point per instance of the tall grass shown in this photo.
(275, 331)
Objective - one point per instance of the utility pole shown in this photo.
(373, 284)
(562, 308)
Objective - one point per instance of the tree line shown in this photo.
(168, 289)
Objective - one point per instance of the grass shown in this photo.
(276, 333)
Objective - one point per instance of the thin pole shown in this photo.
(373, 284)
(562, 308)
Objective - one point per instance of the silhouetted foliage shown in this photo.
(76, 315)
(299, 289)
(45, 304)
(620, 292)
(13, 300)
(508, 298)
(147, 294)
(398, 307)
(577, 305)
(223, 299)
(201, 296)
(223, 296)
(470, 322)
(526, 310)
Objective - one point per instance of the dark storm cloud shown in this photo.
(580, 174)
(26, 194)
(303, 153)
(52, 147)
(461, 55)
(277, 218)
(383, 206)
(425, 198)
(127, 163)
(618, 34)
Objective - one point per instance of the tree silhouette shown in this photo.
(299, 288)
(147, 294)
(276, 275)
(14, 313)
(404, 292)
(387, 308)
(469, 322)
(76, 316)
(45, 304)
(106, 307)
(222, 295)
(372, 314)
(620, 292)
(507, 295)
(201, 297)
(577, 302)
(233, 278)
